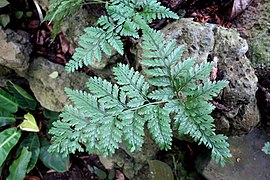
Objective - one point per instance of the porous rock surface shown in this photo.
(74, 27)
(15, 49)
(256, 22)
(50, 91)
(206, 41)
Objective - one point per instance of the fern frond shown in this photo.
(58, 10)
(93, 43)
(86, 104)
(190, 86)
(160, 129)
(153, 10)
(199, 72)
(156, 53)
(124, 19)
(133, 130)
(133, 83)
(266, 148)
(116, 112)
(72, 129)
(107, 95)
(162, 94)
(110, 135)
(197, 123)
(207, 90)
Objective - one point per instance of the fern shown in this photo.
(124, 18)
(58, 10)
(266, 148)
(114, 113)
(190, 84)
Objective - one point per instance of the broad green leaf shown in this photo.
(18, 168)
(29, 123)
(160, 170)
(24, 100)
(32, 143)
(3, 3)
(4, 19)
(53, 161)
(6, 118)
(8, 102)
(8, 139)
(18, 14)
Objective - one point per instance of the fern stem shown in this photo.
(153, 103)
(162, 54)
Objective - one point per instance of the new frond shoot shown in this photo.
(124, 18)
(109, 114)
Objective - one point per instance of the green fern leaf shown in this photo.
(162, 94)
(107, 95)
(133, 130)
(266, 148)
(190, 84)
(153, 10)
(160, 129)
(132, 83)
(129, 29)
(124, 20)
(87, 104)
(58, 10)
(110, 135)
(110, 113)
(68, 141)
(93, 43)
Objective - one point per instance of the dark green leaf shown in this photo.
(17, 170)
(101, 174)
(29, 13)
(4, 19)
(160, 170)
(32, 143)
(6, 118)
(18, 14)
(51, 115)
(8, 139)
(53, 161)
(3, 3)
(25, 100)
(8, 102)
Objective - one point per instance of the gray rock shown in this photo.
(15, 49)
(207, 40)
(4, 74)
(247, 162)
(134, 165)
(240, 94)
(74, 27)
(44, 4)
(256, 20)
(49, 91)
